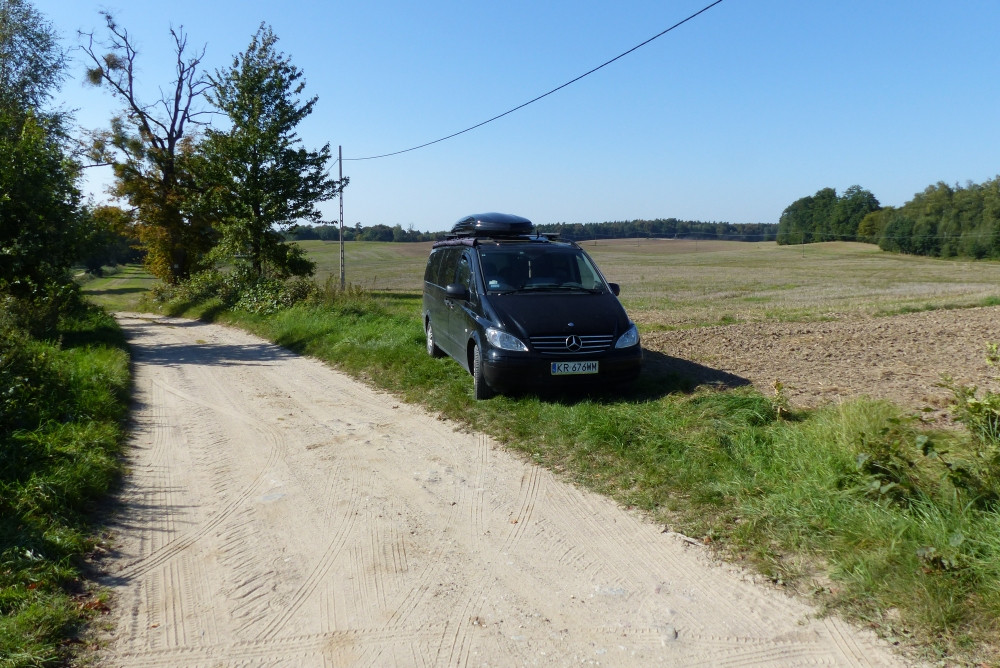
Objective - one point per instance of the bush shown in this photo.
(239, 290)
(38, 308)
(980, 413)
(265, 296)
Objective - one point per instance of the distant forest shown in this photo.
(664, 228)
(941, 221)
(670, 228)
(826, 216)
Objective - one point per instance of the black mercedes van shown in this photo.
(520, 310)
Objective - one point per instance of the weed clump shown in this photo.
(980, 413)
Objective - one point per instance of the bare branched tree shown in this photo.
(149, 148)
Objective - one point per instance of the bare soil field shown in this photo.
(900, 358)
(278, 513)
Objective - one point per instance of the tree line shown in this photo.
(941, 221)
(665, 228)
(826, 216)
(359, 232)
(669, 228)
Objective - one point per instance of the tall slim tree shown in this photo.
(150, 148)
(32, 65)
(260, 178)
(40, 217)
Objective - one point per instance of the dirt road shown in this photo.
(278, 513)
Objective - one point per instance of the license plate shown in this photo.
(572, 368)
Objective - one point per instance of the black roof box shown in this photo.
(491, 225)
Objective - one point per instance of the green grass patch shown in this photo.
(60, 440)
(118, 290)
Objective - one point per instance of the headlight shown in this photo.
(504, 341)
(629, 338)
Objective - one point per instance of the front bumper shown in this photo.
(507, 371)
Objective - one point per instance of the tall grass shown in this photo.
(63, 403)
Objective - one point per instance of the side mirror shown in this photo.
(457, 291)
(615, 289)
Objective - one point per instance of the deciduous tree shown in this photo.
(261, 180)
(40, 221)
(32, 65)
(850, 210)
(150, 148)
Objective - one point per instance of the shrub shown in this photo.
(62, 403)
(238, 289)
(265, 296)
(980, 413)
(38, 308)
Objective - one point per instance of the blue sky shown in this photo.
(730, 117)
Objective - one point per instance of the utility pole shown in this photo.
(340, 162)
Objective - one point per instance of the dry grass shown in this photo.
(673, 284)
(670, 284)
(396, 267)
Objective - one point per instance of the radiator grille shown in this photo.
(571, 344)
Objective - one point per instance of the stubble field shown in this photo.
(826, 321)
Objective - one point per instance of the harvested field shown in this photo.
(900, 358)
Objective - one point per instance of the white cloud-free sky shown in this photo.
(730, 117)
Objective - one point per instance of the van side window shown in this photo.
(449, 263)
(433, 270)
(463, 275)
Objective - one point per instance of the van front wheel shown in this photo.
(480, 388)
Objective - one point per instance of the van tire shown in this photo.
(480, 388)
(432, 348)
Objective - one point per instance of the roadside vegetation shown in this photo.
(63, 403)
(860, 507)
(64, 374)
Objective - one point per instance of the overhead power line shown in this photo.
(558, 88)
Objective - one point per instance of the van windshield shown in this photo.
(538, 267)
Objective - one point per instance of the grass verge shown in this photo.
(62, 404)
(856, 505)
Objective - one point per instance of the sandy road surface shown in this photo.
(278, 513)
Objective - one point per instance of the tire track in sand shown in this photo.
(184, 542)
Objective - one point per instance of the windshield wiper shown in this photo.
(562, 288)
